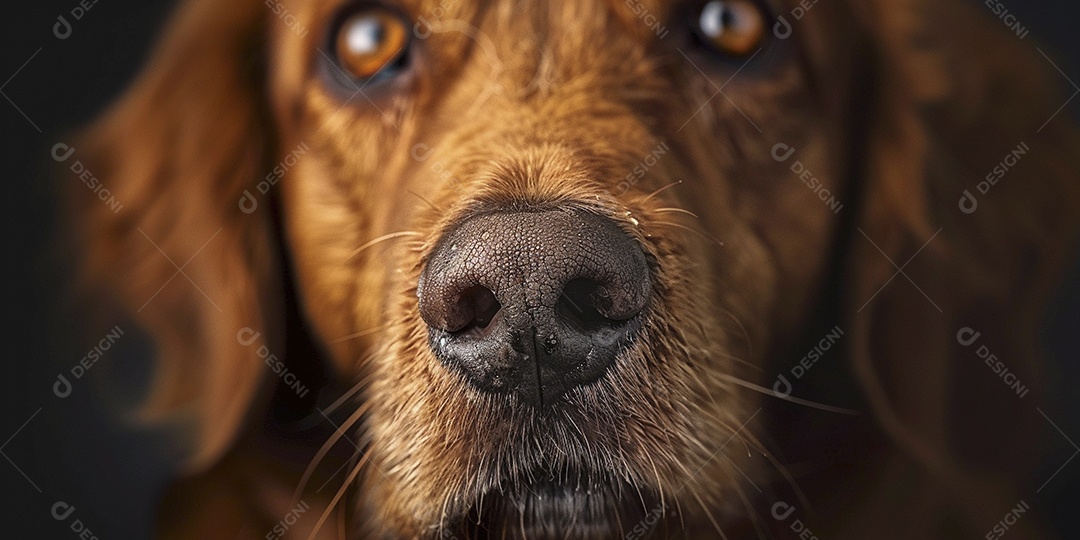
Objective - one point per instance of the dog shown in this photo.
(588, 269)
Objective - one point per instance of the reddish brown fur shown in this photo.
(549, 103)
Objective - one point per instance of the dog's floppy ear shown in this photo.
(186, 253)
(971, 189)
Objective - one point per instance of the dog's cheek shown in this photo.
(323, 227)
(795, 220)
(420, 427)
(696, 344)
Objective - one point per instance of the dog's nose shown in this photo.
(534, 302)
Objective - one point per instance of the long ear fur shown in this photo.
(957, 93)
(177, 152)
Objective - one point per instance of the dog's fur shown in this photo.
(897, 106)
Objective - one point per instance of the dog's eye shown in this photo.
(370, 41)
(731, 27)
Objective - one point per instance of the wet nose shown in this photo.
(534, 303)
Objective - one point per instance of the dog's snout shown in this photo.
(534, 302)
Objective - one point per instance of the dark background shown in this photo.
(64, 450)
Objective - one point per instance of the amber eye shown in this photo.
(732, 27)
(370, 41)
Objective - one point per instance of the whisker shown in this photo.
(708, 514)
(352, 459)
(622, 530)
(748, 436)
(783, 470)
(800, 401)
(734, 358)
(626, 467)
(341, 526)
(442, 514)
(521, 522)
(383, 238)
(695, 377)
(340, 493)
(347, 394)
(746, 334)
(417, 195)
(325, 449)
(659, 484)
(657, 192)
(673, 210)
(360, 334)
(755, 518)
(688, 229)
(678, 509)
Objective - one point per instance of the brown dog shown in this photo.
(558, 251)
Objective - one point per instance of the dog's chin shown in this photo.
(549, 507)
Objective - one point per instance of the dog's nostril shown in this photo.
(582, 305)
(571, 286)
(477, 308)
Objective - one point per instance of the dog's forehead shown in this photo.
(556, 28)
(464, 7)
(515, 41)
(638, 17)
